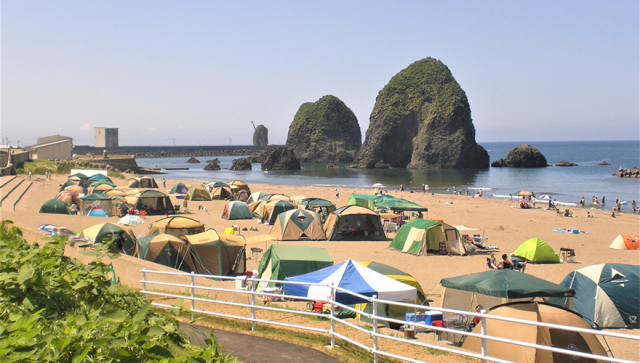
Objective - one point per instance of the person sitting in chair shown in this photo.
(504, 263)
(476, 320)
(491, 262)
(517, 265)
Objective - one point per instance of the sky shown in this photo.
(198, 72)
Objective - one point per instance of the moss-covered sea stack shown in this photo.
(422, 120)
(324, 131)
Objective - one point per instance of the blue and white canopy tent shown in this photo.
(351, 276)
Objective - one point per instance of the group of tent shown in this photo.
(214, 190)
(180, 243)
(97, 195)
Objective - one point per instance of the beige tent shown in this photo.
(541, 312)
(296, 199)
(176, 226)
(298, 224)
(213, 256)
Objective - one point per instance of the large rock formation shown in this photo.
(192, 160)
(324, 131)
(522, 156)
(261, 136)
(241, 164)
(422, 120)
(280, 158)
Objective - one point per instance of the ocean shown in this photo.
(565, 184)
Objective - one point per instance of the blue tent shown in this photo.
(97, 212)
(351, 276)
(606, 295)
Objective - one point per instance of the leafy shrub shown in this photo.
(56, 309)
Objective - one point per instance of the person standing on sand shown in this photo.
(424, 191)
(582, 202)
(164, 183)
(337, 193)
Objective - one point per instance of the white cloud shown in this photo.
(151, 128)
(85, 127)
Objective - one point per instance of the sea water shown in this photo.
(565, 184)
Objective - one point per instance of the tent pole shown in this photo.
(193, 291)
(333, 323)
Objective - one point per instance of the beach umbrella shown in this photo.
(545, 196)
(378, 185)
(524, 193)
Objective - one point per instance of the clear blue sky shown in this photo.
(200, 71)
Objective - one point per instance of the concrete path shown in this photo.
(253, 349)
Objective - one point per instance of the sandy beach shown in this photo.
(504, 225)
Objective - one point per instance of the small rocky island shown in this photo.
(522, 156)
(241, 164)
(280, 158)
(566, 163)
(192, 160)
(213, 165)
(324, 131)
(422, 120)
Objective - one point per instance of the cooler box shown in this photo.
(575, 231)
(419, 318)
(431, 316)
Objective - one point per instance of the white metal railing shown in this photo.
(375, 334)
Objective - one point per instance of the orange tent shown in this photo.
(623, 242)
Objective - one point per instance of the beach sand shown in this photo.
(504, 225)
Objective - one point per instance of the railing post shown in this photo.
(144, 282)
(375, 328)
(333, 323)
(193, 295)
(253, 309)
(483, 331)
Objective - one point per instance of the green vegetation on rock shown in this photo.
(54, 308)
(324, 131)
(422, 120)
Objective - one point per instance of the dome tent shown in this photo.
(541, 312)
(236, 210)
(625, 243)
(354, 223)
(54, 206)
(607, 295)
(176, 226)
(297, 224)
(105, 232)
(536, 250)
(422, 235)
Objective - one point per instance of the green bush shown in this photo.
(56, 309)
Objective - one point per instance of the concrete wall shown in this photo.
(18, 156)
(60, 151)
(84, 149)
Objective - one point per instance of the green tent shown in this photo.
(197, 194)
(363, 200)
(281, 261)
(507, 284)
(105, 232)
(96, 196)
(422, 235)
(537, 251)
(55, 206)
(401, 204)
(236, 210)
(178, 187)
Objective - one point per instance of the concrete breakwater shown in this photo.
(171, 151)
